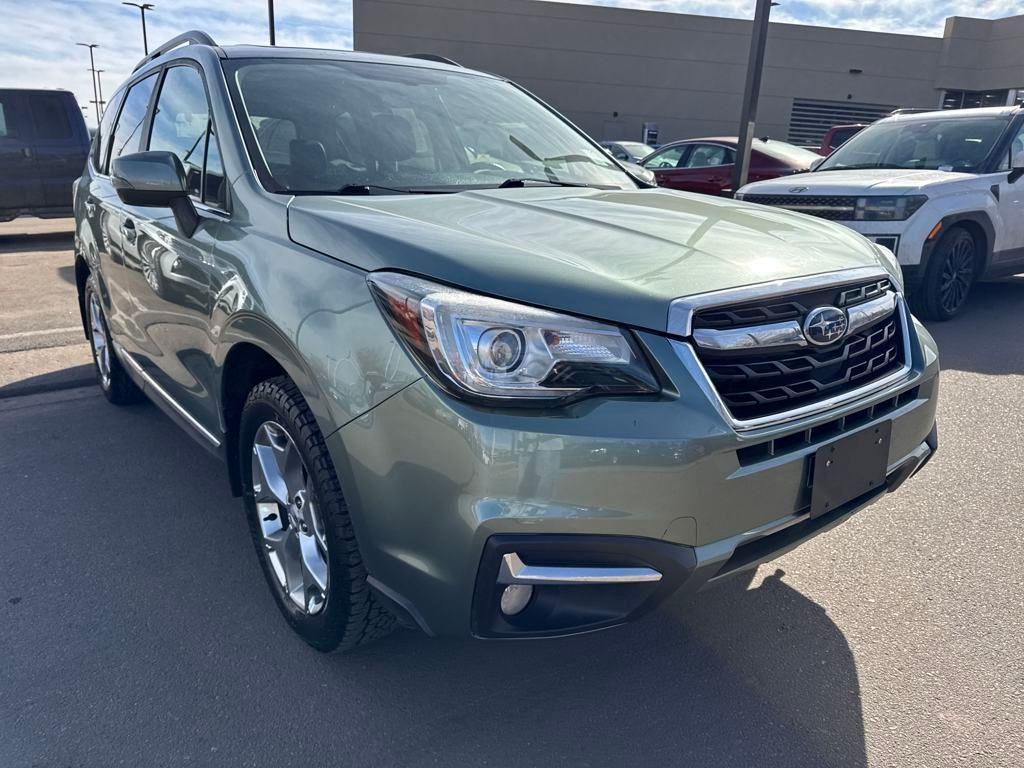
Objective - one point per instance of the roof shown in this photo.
(946, 113)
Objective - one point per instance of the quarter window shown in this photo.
(128, 131)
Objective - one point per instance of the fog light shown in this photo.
(515, 598)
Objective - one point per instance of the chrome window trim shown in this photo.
(178, 407)
(681, 311)
(686, 353)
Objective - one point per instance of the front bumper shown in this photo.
(440, 490)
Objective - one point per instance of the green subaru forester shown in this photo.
(466, 371)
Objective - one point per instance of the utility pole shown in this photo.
(143, 7)
(748, 118)
(92, 69)
(270, 17)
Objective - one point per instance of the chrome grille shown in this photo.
(761, 366)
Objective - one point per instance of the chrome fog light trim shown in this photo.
(515, 571)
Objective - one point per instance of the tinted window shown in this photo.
(181, 122)
(128, 131)
(666, 158)
(326, 125)
(842, 136)
(49, 112)
(8, 117)
(101, 141)
(1016, 148)
(704, 155)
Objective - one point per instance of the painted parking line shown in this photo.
(40, 332)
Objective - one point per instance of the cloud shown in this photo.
(38, 38)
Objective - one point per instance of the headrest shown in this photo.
(308, 158)
(393, 137)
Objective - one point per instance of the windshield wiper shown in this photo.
(508, 183)
(368, 189)
(861, 167)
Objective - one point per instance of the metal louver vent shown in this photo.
(810, 119)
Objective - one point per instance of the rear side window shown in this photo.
(101, 141)
(50, 114)
(8, 117)
(128, 131)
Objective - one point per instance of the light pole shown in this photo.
(143, 7)
(92, 69)
(270, 19)
(99, 86)
(758, 42)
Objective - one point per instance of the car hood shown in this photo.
(887, 181)
(620, 256)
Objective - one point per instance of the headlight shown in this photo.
(491, 349)
(888, 208)
(893, 266)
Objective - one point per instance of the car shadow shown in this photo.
(984, 338)
(36, 242)
(736, 676)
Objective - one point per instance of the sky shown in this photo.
(37, 37)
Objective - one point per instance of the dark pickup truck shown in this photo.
(43, 146)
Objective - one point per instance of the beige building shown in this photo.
(611, 70)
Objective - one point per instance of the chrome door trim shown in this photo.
(685, 351)
(515, 571)
(681, 311)
(178, 407)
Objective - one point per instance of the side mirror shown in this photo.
(155, 180)
(640, 173)
(1017, 169)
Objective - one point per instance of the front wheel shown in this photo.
(300, 523)
(948, 277)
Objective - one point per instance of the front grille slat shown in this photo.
(763, 382)
(831, 207)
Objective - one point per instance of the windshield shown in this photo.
(330, 126)
(787, 153)
(945, 144)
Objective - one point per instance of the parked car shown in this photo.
(628, 151)
(838, 135)
(512, 399)
(705, 165)
(43, 145)
(942, 190)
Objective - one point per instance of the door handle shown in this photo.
(128, 230)
(27, 152)
(90, 207)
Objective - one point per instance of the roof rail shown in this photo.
(432, 57)
(192, 37)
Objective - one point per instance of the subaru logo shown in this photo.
(825, 325)
(797, 189)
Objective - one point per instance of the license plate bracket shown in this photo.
(849, 467)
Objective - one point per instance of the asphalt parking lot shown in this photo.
(135, 628)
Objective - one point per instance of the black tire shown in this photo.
(951, 271)
(115, 383)
(351, 615)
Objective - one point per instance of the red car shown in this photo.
(838, 135)
(705, 165)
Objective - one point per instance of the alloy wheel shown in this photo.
(98, 339)
(294, 538)
(957, 275)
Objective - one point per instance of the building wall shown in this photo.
(612, 69)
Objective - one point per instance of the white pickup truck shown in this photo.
(944, 191)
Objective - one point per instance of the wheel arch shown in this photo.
(979, 224)
(252, 350)
(82, 273)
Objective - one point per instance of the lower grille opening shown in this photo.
(758, 382)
